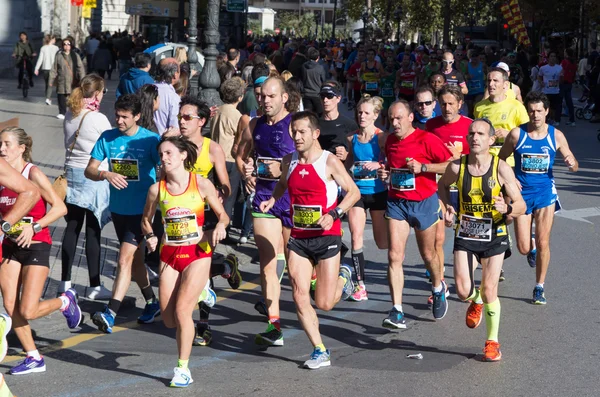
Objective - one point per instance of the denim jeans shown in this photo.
(566, 94)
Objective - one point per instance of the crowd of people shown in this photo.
(439, 138)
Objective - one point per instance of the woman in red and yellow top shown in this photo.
(185, 252)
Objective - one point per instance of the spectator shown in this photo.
(257, 50)
(136, 77)
(150, 104)
(90, 47)
(566, 85)
(312, 76)
(124, 47)
(24, 54)
(45, 62)
(167, 74)
(66, 74)
(102, 59)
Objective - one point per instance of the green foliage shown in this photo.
(255, 26)
(303, 25)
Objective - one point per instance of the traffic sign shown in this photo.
(236, 5)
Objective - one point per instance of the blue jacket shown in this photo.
(132, 81)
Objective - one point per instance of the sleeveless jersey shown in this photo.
(476, 83)
(7, 200)
(478, 219)
(271, 142)
(311, 196)
(407, 82)
(182, 214)
(203, 166)
(371, 81)
(367, 181)
(387, 86)
(534, 159)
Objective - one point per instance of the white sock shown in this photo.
(65, 302)
(437, 289)
(540, 285)
(398, 307)
(35, 354)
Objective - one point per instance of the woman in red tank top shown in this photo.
(26, 252)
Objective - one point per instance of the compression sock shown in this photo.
(182, 363)
(35, 354)
(204, 312)
(113, 306)
(148, 294)
(358, 261)
(276, 323)
(492, 319)
(281, 263)
(321, 347)
(475, 296)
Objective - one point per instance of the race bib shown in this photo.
(360, 173)
(552, 83)
(17, 228)
(129, 168)
(179, 229)
(371, 86)
(262, 168)
(402, 179)
(535, 163)
(474, 84)
(387, 92)
(476, 229)
(305, 217)
(407, 84)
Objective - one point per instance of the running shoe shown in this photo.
(271, 337)
(428, 275)
(394, 320)
(538, 296)
(203, 335)
(151, 310)
(243, 240)
(235, 278)
(531, 257)
(491, 351)
(99, 293)
(360, 294)
(72, 312)
(182, 377)
(439, 306)
(261, 307)
(430, 299)
(502, 277)
(474, 315)
(346, 274)
(5, 326)
(313, 282)
(104, 320)
(29, 366)
(208, 296)
(318, 359)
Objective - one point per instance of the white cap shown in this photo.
(504, 66)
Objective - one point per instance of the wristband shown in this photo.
(508, 209)
(149, 235)
(100, 175)
(333, 213)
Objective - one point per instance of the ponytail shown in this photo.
(75, 101)
(89, 86)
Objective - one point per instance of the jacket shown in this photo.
(23, 49)
(46, 59)
(132, 81)
(313, 75)
(101, 59)
(65, 74)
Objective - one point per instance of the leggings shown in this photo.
(75, 217)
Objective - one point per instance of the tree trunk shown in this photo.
(446, 11)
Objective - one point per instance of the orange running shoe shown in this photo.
(474, 315)
(491, 351)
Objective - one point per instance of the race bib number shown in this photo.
(402, 179)
(263, 165)
(535, 163)
(179, 229)
(371, 86)
(552, 83)
(128, 168)
(476, 229)
(407, 84)
(474, 84)
(17, 228)
(360, 173)
(387, 92)
(305, 217)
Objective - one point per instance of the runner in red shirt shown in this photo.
(414, 157)
(406, 80)
(353, 75)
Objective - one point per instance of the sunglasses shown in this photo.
(67, 43)
(187, 117)
(328, 96)
(104, 91)
(449, 62)
(426, 103)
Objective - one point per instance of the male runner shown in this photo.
(424, 106)
(406, 80)
(483, 181)
(270, 137)
(132, 155)
(414, 157)
(535, 145)
(453, 76)
(334, 126)
(513, 91)
(312, 175)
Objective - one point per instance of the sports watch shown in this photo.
(423, 167)
(5, 226)
(36, 227)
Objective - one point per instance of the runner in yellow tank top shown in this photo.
(185, 250)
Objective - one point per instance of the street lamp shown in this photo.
(398, 16)
(365, 18)
(209, 78)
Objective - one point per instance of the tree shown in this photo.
(301, 26)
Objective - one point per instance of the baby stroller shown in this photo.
(587, 111)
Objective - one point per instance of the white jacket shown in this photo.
(46, 58)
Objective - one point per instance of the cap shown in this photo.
(329, 89)
(504, 66)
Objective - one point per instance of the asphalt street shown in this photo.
(547, 350)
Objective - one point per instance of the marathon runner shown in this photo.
(535, 145)
(424, 106)
(132, 157)
(512, 90)
(453, 76)
(367, 146)
(312, 175)
(185, 252)
(483, 182)
(406, 80)
(370, 73)
(354, 78)
(388, 94)
(476, 72)
(270, 137)
(413, 157)
(26, 250)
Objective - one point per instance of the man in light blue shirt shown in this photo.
(132, 156)
(167, 74)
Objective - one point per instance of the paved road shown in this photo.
(549, 350)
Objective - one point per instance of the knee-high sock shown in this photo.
(281, 263)
(492, 319)
(358, 261)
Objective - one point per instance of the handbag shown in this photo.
(60, 183)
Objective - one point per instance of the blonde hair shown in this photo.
(375, 101)
(181, 55)
(286, 75)
(88, 87)
(22, 139)
(48, 38)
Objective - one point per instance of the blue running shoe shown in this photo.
(29, 366)
(428, 275)
(150, 312)
(105, 321)
(538, 296)
(72, 312)
(346, 274)
(394, 320)
(318, 359)
(440, 304)
(531, 257)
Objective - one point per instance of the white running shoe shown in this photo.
(99, 293)
(182, 377)
(60, 116)
(208, 296)
(48, 102)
